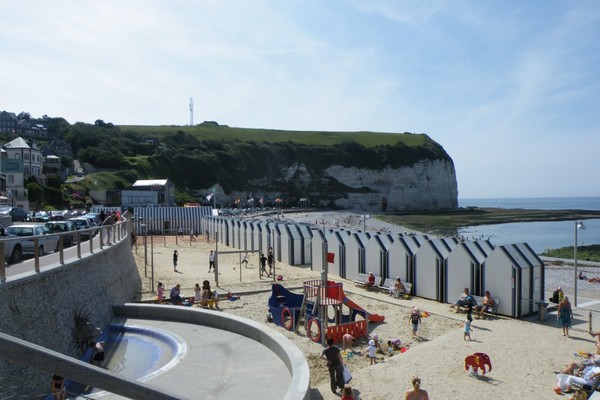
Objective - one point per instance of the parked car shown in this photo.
(41, 216)
(62, 227)
(83, 223)
(92, 218)
(47, 242)
(58, 215)
(17, 213)
(13, 249)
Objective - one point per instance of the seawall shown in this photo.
(41, 308)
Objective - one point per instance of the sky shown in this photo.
(509, 88)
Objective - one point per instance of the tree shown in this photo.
(35, 193)
(24, 115)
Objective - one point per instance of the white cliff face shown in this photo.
(427, 185)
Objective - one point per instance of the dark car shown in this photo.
(63, 227)
(17, 213)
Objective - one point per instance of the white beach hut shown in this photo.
(464, 269)
(318, 245)
(430, 262)
(402, 257)
(247, 235)
(306, 236)
(237, 234)
(257, 234)
(356, 254)
(336, 244)
(291, 244)
(514, 275)
(377, 254)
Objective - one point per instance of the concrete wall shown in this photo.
(41, 308)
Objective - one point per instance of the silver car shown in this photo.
(47, 242)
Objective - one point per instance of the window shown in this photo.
(11, 179)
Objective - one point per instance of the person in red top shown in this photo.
(370, 281)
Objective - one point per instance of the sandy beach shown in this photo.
(524, 353)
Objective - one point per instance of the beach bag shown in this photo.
(347, 374)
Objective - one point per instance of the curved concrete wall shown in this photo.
(41, 308)
(289, 353)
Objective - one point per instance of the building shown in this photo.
(149, 193)
(29, 152)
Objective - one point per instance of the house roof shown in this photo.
(18, 143)
(150, 182)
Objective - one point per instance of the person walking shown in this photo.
(467, 327)
(271, 261)
(263, 265)
(415, 320)
(175, 258)
(564, 315)
(335, 364)
(211, 261)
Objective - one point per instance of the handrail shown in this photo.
(104, 235)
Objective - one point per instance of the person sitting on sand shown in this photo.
(416, 393)
(394, 345)
(585, 278)
(588, 376)
(175, 294)
(370, 281)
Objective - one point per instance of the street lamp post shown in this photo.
(578, 226)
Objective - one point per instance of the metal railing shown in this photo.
(97, 238)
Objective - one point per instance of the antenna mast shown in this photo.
(191, 112)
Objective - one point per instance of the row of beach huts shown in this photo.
(438, 268)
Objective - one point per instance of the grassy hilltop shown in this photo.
(213, 132)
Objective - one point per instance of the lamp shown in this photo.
(578, 226)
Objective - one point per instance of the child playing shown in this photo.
(415, 320)
(347, 393)
(394, 345)
(372, 352)
(467, 325)
(161, 292)
(347, 341)
(377, 344)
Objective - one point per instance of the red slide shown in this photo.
(337, 293)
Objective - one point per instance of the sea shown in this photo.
(539, 235)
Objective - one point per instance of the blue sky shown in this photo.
(510, 89)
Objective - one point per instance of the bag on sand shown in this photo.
(347, 374)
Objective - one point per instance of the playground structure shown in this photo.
(323, 307)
